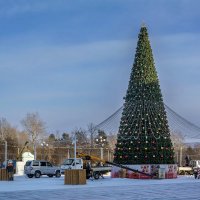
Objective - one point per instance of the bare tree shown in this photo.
(34, 127)
(112, 140)
(177, 138)
(66, 138)
(22, 138)
(8, 135)
(4, 126)
(92, 130)
(179, 146)
(3, 133)
(81, 136)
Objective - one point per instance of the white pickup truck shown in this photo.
(95, 172)
(193, 165)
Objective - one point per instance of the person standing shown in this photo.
(10, 170)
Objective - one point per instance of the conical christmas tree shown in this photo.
(144, 136)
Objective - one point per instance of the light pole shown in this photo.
(3, 131)
(181, 155)
(74, 142)
(6, 153)
(101, 141)
(43, 144)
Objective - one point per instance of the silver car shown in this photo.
(40, 167)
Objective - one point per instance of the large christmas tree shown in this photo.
(144, 136)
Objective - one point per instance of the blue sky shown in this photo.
(70, 60)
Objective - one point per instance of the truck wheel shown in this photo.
(30, 175)
(58, 174)
(96, 175)
(37, 174)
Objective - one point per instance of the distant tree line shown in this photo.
(58, 145)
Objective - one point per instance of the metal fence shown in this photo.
(56, 154)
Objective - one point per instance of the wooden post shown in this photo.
(3, 175)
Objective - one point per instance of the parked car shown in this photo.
(41, 167)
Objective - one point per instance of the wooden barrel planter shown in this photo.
(75, 177)
(3, 175)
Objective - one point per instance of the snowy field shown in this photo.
(184, 187)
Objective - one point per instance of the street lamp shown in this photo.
(74, 142)
(101, 141)
(43, 144)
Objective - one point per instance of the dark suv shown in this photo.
(41, 167)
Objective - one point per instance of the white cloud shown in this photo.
(70, 56)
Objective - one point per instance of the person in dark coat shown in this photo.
(187, 161)
(88, 170)
(10, 170)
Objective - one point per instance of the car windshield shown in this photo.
(68, 162)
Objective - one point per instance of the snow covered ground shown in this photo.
(184, 187)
